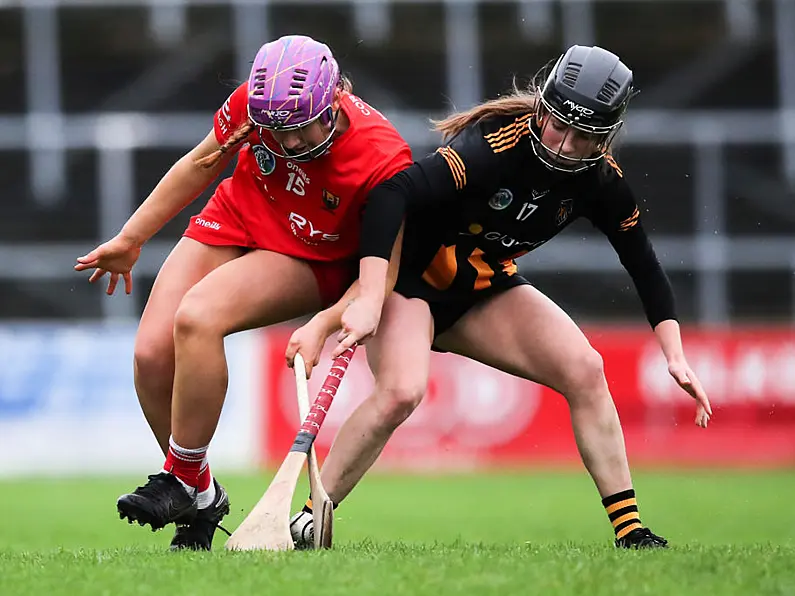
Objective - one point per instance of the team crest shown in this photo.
(330, 200)
(564, 211)
(501, 199)
(266, 161)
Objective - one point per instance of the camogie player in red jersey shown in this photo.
(277, 240)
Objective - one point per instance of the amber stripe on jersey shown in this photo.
(509, 267)
(485, 272)
(631, 221)
(456, 165)
(622, 509)
(442, 270)
(508, 136)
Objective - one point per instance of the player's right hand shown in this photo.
(117, 257)
(687, 380)
(359, 323)
(309, 340)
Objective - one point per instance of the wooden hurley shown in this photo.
(322, 507)
(267, 526)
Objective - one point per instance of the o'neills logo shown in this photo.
(213, 225)
(575, 107)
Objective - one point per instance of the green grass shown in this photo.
(535, 533)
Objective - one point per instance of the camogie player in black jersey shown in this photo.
(512, 174)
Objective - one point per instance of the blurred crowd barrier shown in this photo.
(67, 404)
(474, 416)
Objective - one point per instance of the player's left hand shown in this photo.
(359, 323)
(687, 380)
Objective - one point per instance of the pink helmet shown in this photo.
(292, 84)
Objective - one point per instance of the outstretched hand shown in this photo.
(687, 380)
(117, 257)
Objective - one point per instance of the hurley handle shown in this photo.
(317, 413)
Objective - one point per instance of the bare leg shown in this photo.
(187, 264)
(539, 341)
(399, 356)
(258, 289)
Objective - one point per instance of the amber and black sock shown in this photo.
(622, 509)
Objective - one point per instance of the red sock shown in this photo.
(185, 464)
(205, 476)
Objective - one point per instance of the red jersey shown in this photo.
(309, 210)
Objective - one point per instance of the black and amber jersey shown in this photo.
(484, 199)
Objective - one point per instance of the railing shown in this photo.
(46, 132)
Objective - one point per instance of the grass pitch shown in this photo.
(531, 533)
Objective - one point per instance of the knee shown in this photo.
(153, 355)
(397, 401)
(585, 378)
(194, 319)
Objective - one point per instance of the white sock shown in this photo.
(206, 497)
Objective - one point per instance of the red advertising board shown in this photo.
(474, 416)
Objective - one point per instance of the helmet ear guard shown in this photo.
(587, 90)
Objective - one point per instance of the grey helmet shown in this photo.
(587, 90)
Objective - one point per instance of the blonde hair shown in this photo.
(241, 134)
(516, 101)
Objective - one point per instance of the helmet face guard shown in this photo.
(602, 138)
(587, 92)
(291, 86)
(313, 151)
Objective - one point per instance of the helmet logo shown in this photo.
(501, 199)
(578, 108)
(277, 113)
(266, 161)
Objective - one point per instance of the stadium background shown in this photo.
(99, 99)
